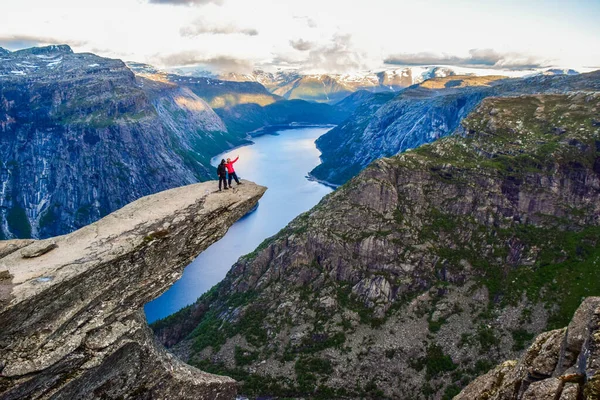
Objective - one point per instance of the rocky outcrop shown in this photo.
(424, 270)
(421, 114)
(560, 364)
(71, 306)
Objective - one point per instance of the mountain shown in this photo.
(331, 88)
(421, 272)
(421, 114)
(216, 92)
(81, 137)
(558, 71)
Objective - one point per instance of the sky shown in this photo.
(314, 35)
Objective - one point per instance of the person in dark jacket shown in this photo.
(231, 171)
(222, 173)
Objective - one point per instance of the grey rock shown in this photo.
(82, 333)
(36, 249)
(575, 377)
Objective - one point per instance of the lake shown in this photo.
(280, 161)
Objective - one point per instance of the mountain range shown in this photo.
(82, 135)
(384, 126)
(331, 88)
(467, 222)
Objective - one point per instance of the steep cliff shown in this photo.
(421, 114)
(560, 364)
(80, 137)
(71, 306)
(424, 270)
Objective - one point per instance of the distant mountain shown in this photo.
(217, 93)
(558, 71)
(331, 88)
(81, 137)
(251, 117)
(3, 51)
(421, 114)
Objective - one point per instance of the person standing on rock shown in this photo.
(222, 173)
(231, 171)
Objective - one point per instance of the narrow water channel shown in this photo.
(280, 161)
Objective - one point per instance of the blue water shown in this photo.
(280, 162)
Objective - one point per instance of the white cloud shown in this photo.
(315, 34)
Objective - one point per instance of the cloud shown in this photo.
(16, 42)
(335, 57)
(219, 64)
(201, 26)
(301, 44)
(480, 58)
(186, 2)
(309, 21)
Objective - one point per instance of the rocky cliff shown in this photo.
(560, 364)
(71, 306)
(420, 273)
(421, 114)
(81, 137)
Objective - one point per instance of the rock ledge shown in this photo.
(71, 306)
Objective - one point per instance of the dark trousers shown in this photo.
(224, 180)
(234, 176)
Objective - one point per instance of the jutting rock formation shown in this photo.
(71, 306)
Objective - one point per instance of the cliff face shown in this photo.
(421, 114)
(424, 270)
(80, 137)
(560, 364)
(71, 306)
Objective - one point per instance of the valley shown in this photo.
(278, 160)
(461, 239)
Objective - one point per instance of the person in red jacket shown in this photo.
(231, 171)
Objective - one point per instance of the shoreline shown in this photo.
(313, 178)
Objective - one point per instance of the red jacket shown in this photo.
(229, 166)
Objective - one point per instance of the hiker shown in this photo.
(222, 173)
(231, 171)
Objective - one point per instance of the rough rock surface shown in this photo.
(71, 317)
(422, 272)
(561, 364)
